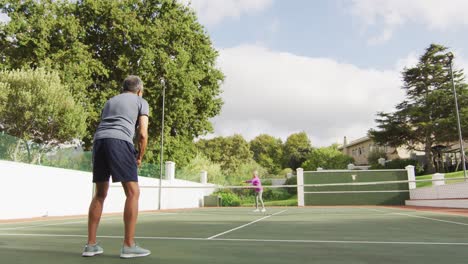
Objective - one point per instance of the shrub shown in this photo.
(400, 164)
(275, 194)
(267, 182)
(375, 155)
(291, 181)
(228, 198)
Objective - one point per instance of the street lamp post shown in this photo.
(163, 83)
(462, 151)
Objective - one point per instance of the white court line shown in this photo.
(32, 226)
(242, 226)
(75, 222)
(423, 217)
(302, 241)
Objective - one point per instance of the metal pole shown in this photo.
(462, 151)
(162, 143)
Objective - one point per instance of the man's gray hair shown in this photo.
(132, 84)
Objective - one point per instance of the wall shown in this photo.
(35, 191)
(448, 191)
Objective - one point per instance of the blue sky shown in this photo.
(326, 28)
(325, 67)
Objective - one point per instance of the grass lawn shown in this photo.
(448, 176)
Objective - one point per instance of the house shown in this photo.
(360, 148)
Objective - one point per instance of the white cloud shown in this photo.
(410, 61)
(434, 14)
(282, 93)
(212, 12)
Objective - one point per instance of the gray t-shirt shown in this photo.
(119, 118)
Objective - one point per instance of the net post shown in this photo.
(300, 186)
(204, 177)
(170, 170)
(411, 177)
(438, 179)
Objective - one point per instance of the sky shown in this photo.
(324, 67)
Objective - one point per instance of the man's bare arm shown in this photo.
(142, 137)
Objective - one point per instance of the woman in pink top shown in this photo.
(255, 181)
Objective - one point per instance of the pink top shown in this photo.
(256, 182)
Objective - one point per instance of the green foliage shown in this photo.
(426, 117)
(275, 194)
(178, 149)
(150, 170)
(375, 155)
(201, 163)
(15, 149)
(37, 107)
(268, 152)
(244, 171)
(231, 152)
(296, 149)
(267, 182)
(327, 158)
(94, 45)
(285, 172)
(291, 181)
(228, 198)
(69, 158)
(7, 144)
(400, 164)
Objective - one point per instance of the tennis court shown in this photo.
(336, 234)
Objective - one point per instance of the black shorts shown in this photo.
(114, 157)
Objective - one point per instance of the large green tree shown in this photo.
(426, 119)
(95, 44)
(36, 107)
(231, 152)
(327, 158)
(268, 152)
(296, 149)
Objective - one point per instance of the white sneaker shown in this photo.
(133, 252)
(92, 250)
(256, 210)
(263, 210)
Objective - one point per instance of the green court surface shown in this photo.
(238, 235)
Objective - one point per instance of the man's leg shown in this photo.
(132, 191)
(95, 210)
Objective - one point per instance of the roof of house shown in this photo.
(356, 142)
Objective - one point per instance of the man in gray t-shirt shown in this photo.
(114, 155)
(120, 117)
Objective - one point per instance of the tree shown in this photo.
(296, 150)
(201, 163)
(230, 152)
(375, 155)
(37, 107)
(95, 44)
(426, 118)
(327, 158)
(267, 151)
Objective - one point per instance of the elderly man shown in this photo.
(114, 155)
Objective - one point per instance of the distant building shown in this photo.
(360, 148)
(446, 157)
